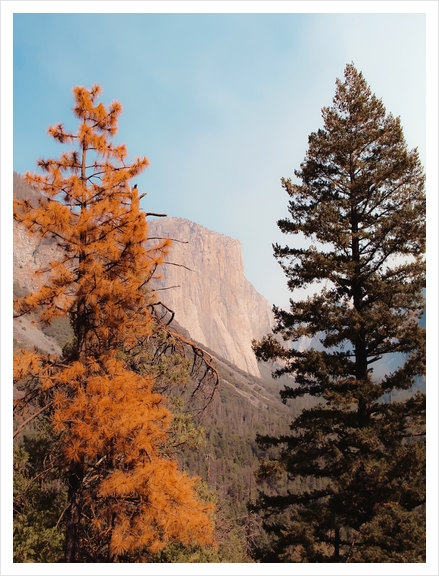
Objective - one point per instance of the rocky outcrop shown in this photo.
(30, 254)
(203, 282)
(212, 300)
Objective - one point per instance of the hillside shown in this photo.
(247, 403)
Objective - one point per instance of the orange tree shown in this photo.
(111, 424)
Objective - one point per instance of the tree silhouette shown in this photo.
(123, 489)
(360, 202)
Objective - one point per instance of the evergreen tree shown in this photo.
(360, 203)
(111, 425)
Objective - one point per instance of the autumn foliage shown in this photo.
(125, 494)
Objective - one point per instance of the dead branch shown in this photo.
(167, 238)
(154, 312)
(175, 264)
(167, 288)
(62, 514)
(203, 358)
(203, 370)
(24, 424)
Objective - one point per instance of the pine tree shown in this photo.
(125, 494)
(360, 203)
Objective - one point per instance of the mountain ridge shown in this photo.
(206, 286)
(203, 282)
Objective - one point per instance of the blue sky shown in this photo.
(221, 104)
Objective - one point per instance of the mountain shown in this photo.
(245, 404)
(29, 255)
(204, 283)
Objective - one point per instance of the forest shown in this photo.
(137, 444)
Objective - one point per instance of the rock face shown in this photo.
(213, 300)
(30, 254)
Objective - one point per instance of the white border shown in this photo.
(430, 8)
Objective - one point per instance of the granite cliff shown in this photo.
(30, 254)
(204, 284)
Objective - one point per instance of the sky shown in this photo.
(221, 98)
(221, 104)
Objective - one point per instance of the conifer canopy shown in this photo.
(359, 201)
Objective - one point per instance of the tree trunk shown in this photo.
(74, 511)
(337, 545)
(360, 339)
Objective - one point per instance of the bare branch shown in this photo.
(167, 238)
(24, 424)
(179, 265)
(167, 288)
